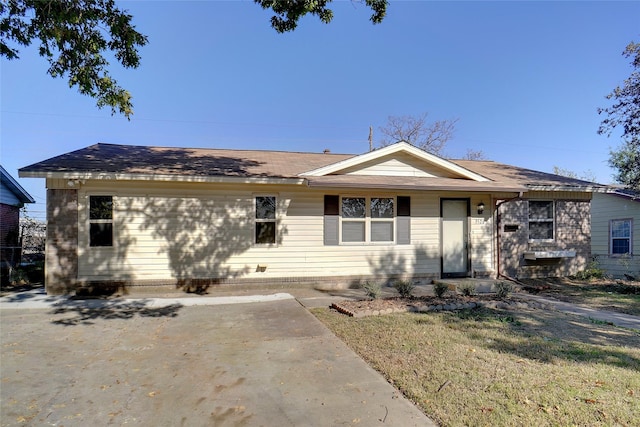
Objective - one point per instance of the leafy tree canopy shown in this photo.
(625, 114)
(74, 36)
(288, 13)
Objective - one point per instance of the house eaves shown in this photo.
(411, 183)
(75, 177)
(595, 188)
(20, 193)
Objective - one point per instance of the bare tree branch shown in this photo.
(431, 137)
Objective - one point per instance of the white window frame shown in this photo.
(629, 238)
(368, 220)
(101, 221)
(552, 220)
(257, 220)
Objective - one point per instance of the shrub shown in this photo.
(404, 287)
(593, 271)
(373, 289)
(440, 289)
(503, 289)
(468, 289)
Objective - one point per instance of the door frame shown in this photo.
(468, 238)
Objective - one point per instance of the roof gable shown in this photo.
(399, 159)
(18, 194)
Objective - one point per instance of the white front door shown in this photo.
(455, 235)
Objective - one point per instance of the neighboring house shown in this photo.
(122, 216)
(12, 198)
(615, 232)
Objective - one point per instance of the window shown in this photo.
(382, 219)
(265, 220)
(354, 219)
(367, 219)
(541, 220)
(620, 236)
(100, 221)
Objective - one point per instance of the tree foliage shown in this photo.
(74, 36)
(625, 114)
(416, 130)
(587, 175)
(288, 13)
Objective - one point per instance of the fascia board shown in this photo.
(17, 189)
(440, 187)
(104, 176)
(579, 189)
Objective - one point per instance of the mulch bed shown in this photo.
(374, 307)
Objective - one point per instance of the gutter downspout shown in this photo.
(498, 217)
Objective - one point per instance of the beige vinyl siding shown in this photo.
(604, 208)
(399, 164)
(202, 231)
(206, 230)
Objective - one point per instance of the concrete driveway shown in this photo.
(131, 362)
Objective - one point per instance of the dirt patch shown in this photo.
(622, 296)
(373, 307)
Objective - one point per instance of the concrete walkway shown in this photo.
(309, 298)
(615, 318)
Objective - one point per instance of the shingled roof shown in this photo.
(206, 162)
(132, 159)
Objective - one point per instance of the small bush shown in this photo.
(468, 289)
(373, 289)
(593, 271)
(503, 289)
(404, 287)
(440, 289)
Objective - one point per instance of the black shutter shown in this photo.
(403, 221)
(331, 220)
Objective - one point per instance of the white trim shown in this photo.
(368, 221)
(16, 188)
(629, 238)
(581, 189)
(162, 177)
(264, 220)
(392, 149)
(551, 220)
(90, 221)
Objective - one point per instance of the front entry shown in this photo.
(455, 237)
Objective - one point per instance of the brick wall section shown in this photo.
(573, 232)
(61, 265)
(9, 228)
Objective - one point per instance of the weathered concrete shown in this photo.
(130, 363)
(615, 318)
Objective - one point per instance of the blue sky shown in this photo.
(525, 80)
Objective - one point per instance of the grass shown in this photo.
(604, 294)
(499, 368)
